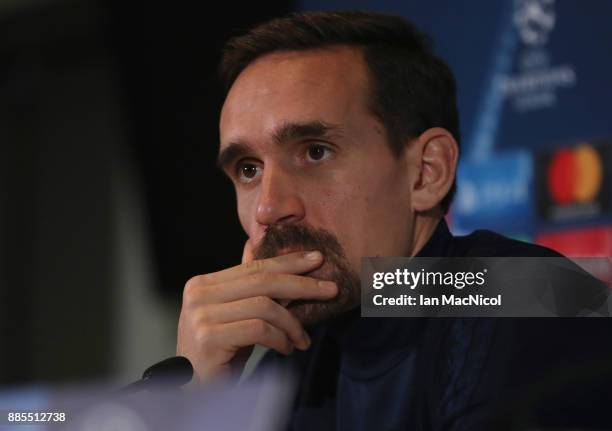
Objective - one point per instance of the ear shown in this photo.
(435, 154)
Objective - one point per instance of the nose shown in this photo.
(279, 199)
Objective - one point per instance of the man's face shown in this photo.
(312, 167)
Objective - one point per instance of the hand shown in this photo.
(224, 314)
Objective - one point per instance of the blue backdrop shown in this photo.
(533, 91)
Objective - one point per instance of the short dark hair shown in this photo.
(412, 90)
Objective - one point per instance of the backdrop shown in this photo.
(533, 83)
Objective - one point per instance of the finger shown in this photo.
(247, 256)
(250, 332)
(293, 263)
(275, 286)
(259, 307)
(247, 253)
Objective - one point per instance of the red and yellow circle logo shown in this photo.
(575, 175)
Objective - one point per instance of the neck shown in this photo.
(424, 227)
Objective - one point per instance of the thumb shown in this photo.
(247, 253)
(242, 355)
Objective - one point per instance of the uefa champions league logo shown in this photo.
(534, 20)
(536, 81)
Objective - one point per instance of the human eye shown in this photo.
(317, 153)
(247, 171)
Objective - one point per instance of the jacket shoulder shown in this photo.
(486, 243)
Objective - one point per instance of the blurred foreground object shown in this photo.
(260, 403)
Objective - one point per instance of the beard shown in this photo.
(335, 268)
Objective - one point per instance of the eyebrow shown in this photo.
(286, 132)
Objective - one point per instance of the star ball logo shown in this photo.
(534, 19)
(575, 182)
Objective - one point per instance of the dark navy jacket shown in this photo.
(454, 373)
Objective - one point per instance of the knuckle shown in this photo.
(203, 335)
(192, 285)
(260, 328)
(262, 278)
(194, 288)
(188, 296)
(203, 317)
(254, 265)
(264, 303)
(314, 286)
(304, 286)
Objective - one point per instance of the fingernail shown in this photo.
(307, 339)
(329, 286)
(313, 255)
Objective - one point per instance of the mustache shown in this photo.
(283, 236)
(337, 268)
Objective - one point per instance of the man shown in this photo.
(340, 133)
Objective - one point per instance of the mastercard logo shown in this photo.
(575, 175)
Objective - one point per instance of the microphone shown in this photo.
(169, 373)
